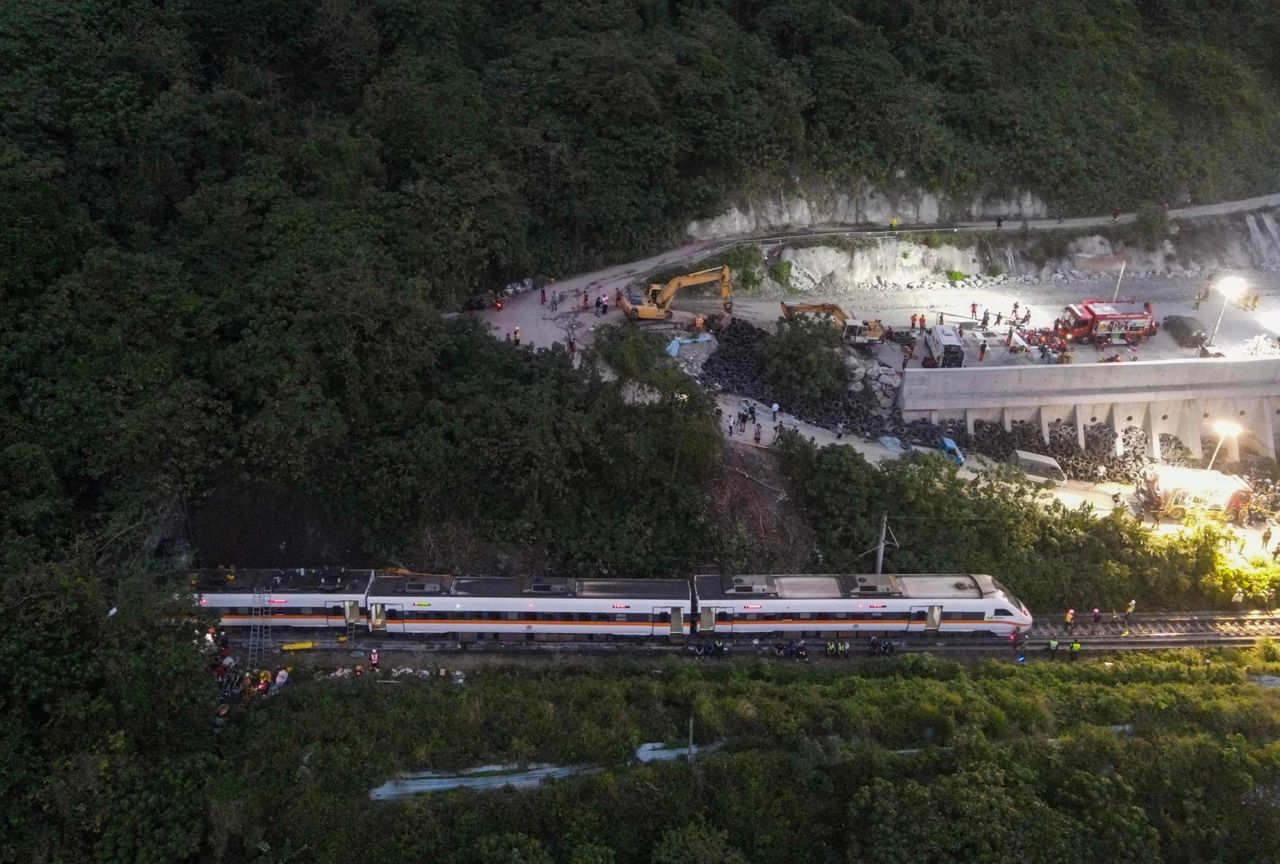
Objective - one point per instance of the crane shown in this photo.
(852, 327)
(656, 303)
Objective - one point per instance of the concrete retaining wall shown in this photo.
(1180, 397)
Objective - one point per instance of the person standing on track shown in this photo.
(973, 311)
(1075, 649)
(1128, 610)
(1069, 620)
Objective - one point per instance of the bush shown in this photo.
(804, 360)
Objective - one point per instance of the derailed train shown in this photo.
(474, 608)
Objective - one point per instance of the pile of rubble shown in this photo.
(880, 380)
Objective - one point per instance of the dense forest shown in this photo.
(227, 233)
(228, 227)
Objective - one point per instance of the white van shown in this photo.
(946, 345)
(1039, 467)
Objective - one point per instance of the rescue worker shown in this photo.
(973, 310)
(913, 321)
(1097, 616)
(1237, 599)
(1128, 610)
(1070, 620)
(1075, 649)
(831, 649)
(982, 352)
(1053, 649)
(844, 650)
(374, 659)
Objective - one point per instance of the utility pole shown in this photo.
(884, 526)
(691, 739)
(1123, 264)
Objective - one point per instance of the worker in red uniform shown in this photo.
(913, 321)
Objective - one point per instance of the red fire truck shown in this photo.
(1106, 322)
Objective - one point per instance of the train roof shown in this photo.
(415, 584)
(948, 586)
(295, 580)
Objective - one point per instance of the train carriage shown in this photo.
(501, 607)
(821, 606)
(301, 597)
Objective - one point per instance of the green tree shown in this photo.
(804, 361)
(695, 843)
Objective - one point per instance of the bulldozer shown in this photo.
(853, 328)
(655, 303)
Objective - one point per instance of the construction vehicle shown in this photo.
(1104, 322)
(655, 303)
(852, 327)
(1171, 492)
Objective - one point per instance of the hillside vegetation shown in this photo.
(228, 225)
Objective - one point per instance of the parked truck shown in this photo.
(1106, 322)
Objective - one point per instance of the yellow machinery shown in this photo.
(853, 328)
(656, 303)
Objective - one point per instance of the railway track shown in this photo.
(1150, 632)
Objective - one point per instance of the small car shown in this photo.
(1186, 331)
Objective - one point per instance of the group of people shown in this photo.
(513, 336)
(747, 418)
(1069, 617)
(1073, 650)
(1249, 302)
(233, 684)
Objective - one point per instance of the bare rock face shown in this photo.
(855, 204)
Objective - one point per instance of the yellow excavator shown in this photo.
(853, 328)
(656, 302)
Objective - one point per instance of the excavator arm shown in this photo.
(658, 298)
(838, 315)
(668, 292)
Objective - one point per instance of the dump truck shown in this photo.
(1173, 492)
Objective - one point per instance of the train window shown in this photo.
(512, 616)
(1003, 613)
(722, 614)
(663, 617)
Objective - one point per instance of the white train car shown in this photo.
(469, 608)
(301, 597)
(820, 606)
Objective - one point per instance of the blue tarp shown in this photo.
(673, 348)
(893, 445)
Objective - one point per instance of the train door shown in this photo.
(668, 621)
(350, 613)
(394, 618)
(714, 620)
(378, 617)
(924, 619)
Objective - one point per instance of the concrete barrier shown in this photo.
(1180, 397)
